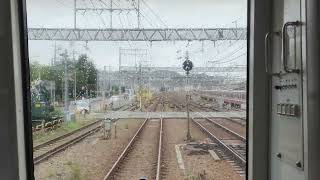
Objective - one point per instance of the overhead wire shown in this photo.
(86, 18)
(147, 17)
(234, 58)
(235, 50)
(141, 14)
(155, 14)
(121, 23)
(217, 45)
(99, 15)
(62, 4)
(231, 45)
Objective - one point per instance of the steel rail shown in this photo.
(158, 176)
(124, 152)
(235, 155)
(209, 109)
(64, 136)
(48, 154)
(238, 120)
(243, 139)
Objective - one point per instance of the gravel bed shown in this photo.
(241, 130)
(217, 131)
(142, 159)
(89, 159)
(239, 121)
(210, 169)
(204, 164)
(174, 134)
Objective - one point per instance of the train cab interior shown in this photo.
(282, 97)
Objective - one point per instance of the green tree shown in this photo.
(115, 90)
(40, 71)
(84, 69)
(86, 77)
(59, 74)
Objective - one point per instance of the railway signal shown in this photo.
(187, 66)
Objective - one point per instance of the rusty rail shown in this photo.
(243, 139)
(64, 136)
(125, 152)
(158, 176)
(48, 154)
(233, 153)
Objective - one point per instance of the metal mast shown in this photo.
(66, 87)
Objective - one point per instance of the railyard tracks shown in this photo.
(230, 145)
(130, 165)
(229, 126)
(46, 150)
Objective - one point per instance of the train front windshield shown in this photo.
(131, 89)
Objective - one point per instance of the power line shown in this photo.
(85, 17)
(155, 14)
(232, 59)
(140, 12)
(98, 13)
(229, 54)
(223, 42)
(63, 4)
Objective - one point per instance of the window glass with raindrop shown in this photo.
(138, 89)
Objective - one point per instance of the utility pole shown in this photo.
(75, 77)
(109, 77)
(236, 26)
(53, 62)
(75, 14)
(140, 86)
(111, 12)
(202, 54)
(54, 95)
(66, 87)
(104, 88)
(120, 54)
(51, 92)
(97, 84)
(235, 23)
(55, 53)
(149, 83)
(138, 13)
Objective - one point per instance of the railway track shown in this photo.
(229, 126)
(232, 125)
(128, 107)
(142, 156)
(46, 150)
(241, 121)
(202, 107)
(228, 133)
(230, 146)
(147, 142)
(156, 105)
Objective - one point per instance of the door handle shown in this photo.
(284, 46)
(266, 50)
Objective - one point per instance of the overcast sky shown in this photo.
(173, 13)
